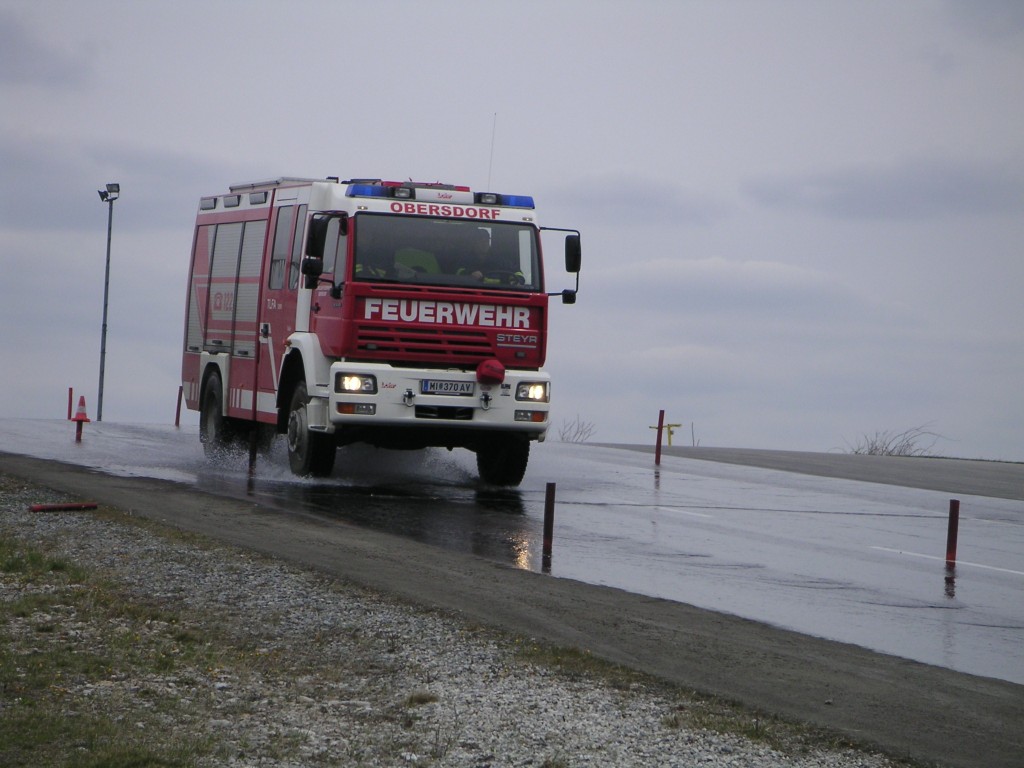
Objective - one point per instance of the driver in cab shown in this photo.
(482, 267)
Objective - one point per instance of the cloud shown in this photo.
(51, 184)
(28, 60)
(641, 200)
(761, 292)
(911, 190)
(990, 19)
(715, 328)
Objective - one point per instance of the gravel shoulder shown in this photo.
(902, 707)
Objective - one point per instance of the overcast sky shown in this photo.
(802, 222)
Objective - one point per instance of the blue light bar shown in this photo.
(366, 190)
(381, 190)
(509, 201)
(517, 201)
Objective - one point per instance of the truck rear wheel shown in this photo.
(216, 432)
(309, 453)
(503, 460)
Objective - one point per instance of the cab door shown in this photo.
(326, 319)
(277, 318)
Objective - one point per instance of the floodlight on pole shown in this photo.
(108, 196)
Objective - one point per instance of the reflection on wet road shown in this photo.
(851, 561)
(490, 523)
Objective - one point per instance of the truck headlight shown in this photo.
(533, 391)
(355, 383)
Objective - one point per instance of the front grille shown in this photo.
(423, 343)
(447, 412)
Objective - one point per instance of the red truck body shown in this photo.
(400, 315)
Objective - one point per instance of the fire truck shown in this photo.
(400, 315)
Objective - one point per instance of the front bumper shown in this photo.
(400, 399)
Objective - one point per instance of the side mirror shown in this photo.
(316, 238)
(319, 227)
(312, 268)
(573, 254)
(573, 257)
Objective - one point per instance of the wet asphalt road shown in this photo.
(837, 558)
(797, 540)
(719, 530)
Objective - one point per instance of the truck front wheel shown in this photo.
(503, 460)
(309, 453)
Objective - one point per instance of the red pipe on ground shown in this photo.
(77, 507)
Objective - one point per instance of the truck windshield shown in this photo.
(454, 252)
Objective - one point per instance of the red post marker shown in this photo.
(549, 525)
(951, 532)
(177, 412)
(80, 418)
(71, 394)
(661, 429)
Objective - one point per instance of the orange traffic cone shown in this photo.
(80, 418)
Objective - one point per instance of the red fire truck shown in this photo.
(396, 314)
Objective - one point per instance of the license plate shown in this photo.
(442, 387)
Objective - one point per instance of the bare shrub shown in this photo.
(916, 441)
(576, 431)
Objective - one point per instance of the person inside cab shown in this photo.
(375, 256)
(484, 266)
(477, 259)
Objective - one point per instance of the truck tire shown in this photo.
(309, 453)
(503, 460)
(216, 431)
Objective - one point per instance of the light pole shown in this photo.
(108, 196)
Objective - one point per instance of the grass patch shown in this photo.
(419, 698)
(578, 664)
(33, 564)
(32, 738)
(52, 713)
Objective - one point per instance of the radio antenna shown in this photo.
(490, 165)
